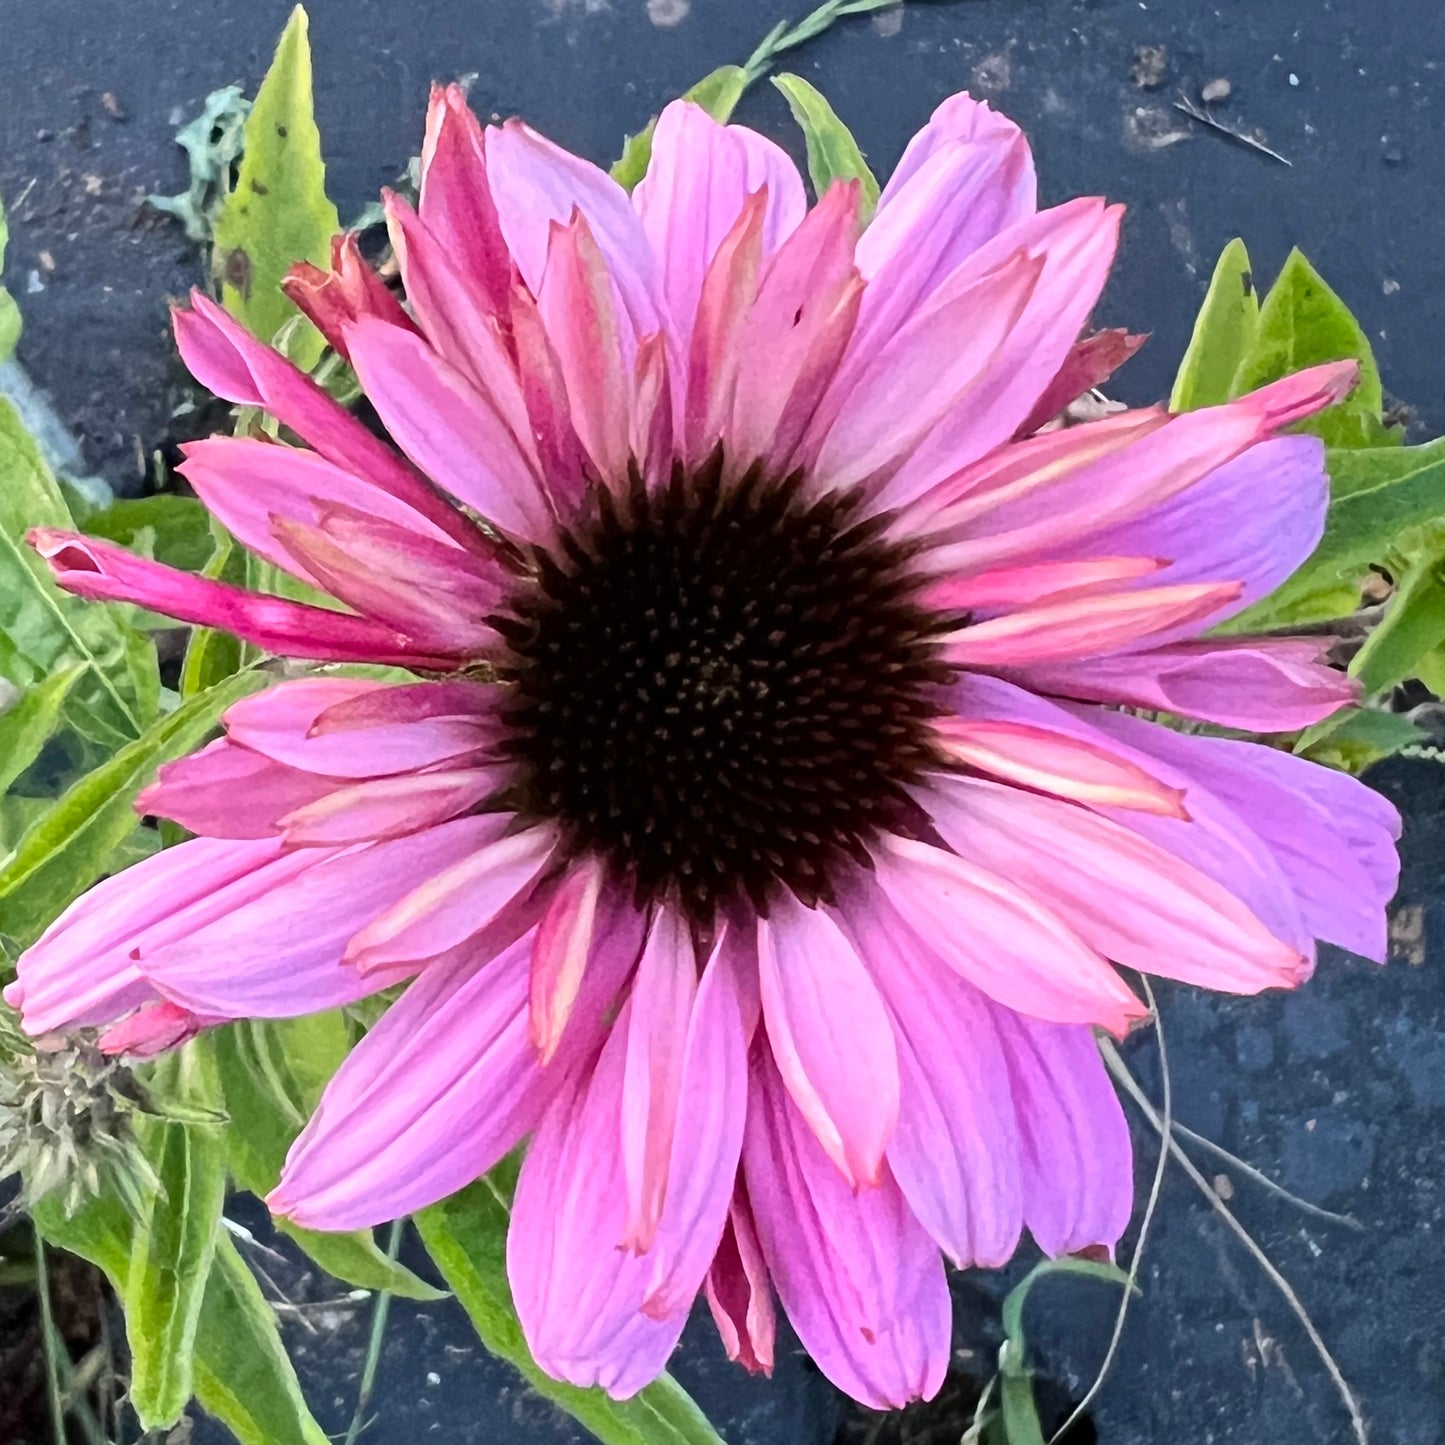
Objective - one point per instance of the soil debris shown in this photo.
(1150, 67)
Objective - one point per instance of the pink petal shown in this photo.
(1033, 582)
(700, 175)
(1078, 1164)
(356, 728)
(577, 1294)
(955, 1152)
(1060, 631)
(1130, 899)
(90, 567)
(859, 1278)
(662, 999)
(739, 1293)
(281, 953)
(334, 299)
(388, 807)
(930, 368)
(830, 1037)
(80, 973)
(226, 359)
(1263, 684)
(1052, 762)
(152, 1029)
(1007, 940)
(1333, 837)
(707, 1137)
(475, 898)
(448, 428)
(225, 791)
(434, 1095)
(560, 951)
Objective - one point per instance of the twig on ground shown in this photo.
(374, 1343)
(1198, 113)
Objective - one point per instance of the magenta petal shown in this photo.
(955, 1153)
(578, 1294)
(829, 1035)
(434, 1095)
(280, 953)
(739, 1293)
(152, 1029)
(1078, 1165)
(859, 1278)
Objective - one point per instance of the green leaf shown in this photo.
(243, 1375)
(27, 724)
(71, 845)
(1355, 738)
(279, 212)
(9, 311)
(1380, 494)
(1301, 323)
(1224, 332)
(717, 93)
(1413, 625)
(466, 1238)
(272, 1074)
(42, 629)
(833, 154)
(173, 1246)
(178, 528)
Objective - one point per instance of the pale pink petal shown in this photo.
(1128, 898)
(1333, 837)
(226, 359)
(562, 945)
(1052, 762)
(281, 953)
(1004, 937)
(345, 727)
(389, 807)
(1259, 684)
(333, 299)
(708, 1133)
(857, 1274)
(657, 1036)
(449, 428)
(830, 1037)
(651, 432)
(699, 177)
(1078, 1164)
(739, 1293)
(1005, 586)
(90, 567)
(535, 183)
(1056, 631)
(577, 1294)
(955, 1152)
(473, 897)
(80, 973)
(225, 791)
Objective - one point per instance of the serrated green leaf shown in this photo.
(717, 93)
(174, 1244)
(278, 213)
(1223, 333)
(272, 1074)
(71, 845)
(243, 1375)
(1354, 738)
(1379, 494)
(1413, 625)
(1302, 323)
(42, 629)
(27, 723)
(466, 1238)
(833, 154)
(179, 529)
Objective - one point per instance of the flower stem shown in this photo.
(374, 1343)
(50, 1342)
(784, 37)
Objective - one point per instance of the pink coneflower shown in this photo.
(765, 830)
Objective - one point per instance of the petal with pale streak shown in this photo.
(562, 945)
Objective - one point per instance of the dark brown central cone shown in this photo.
(721, 687)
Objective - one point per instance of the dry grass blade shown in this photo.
(1198, 113)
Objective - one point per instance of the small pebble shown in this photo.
(1293, 78)
(432, 1378)
(1215, 90)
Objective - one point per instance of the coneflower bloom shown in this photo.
(772, 808)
